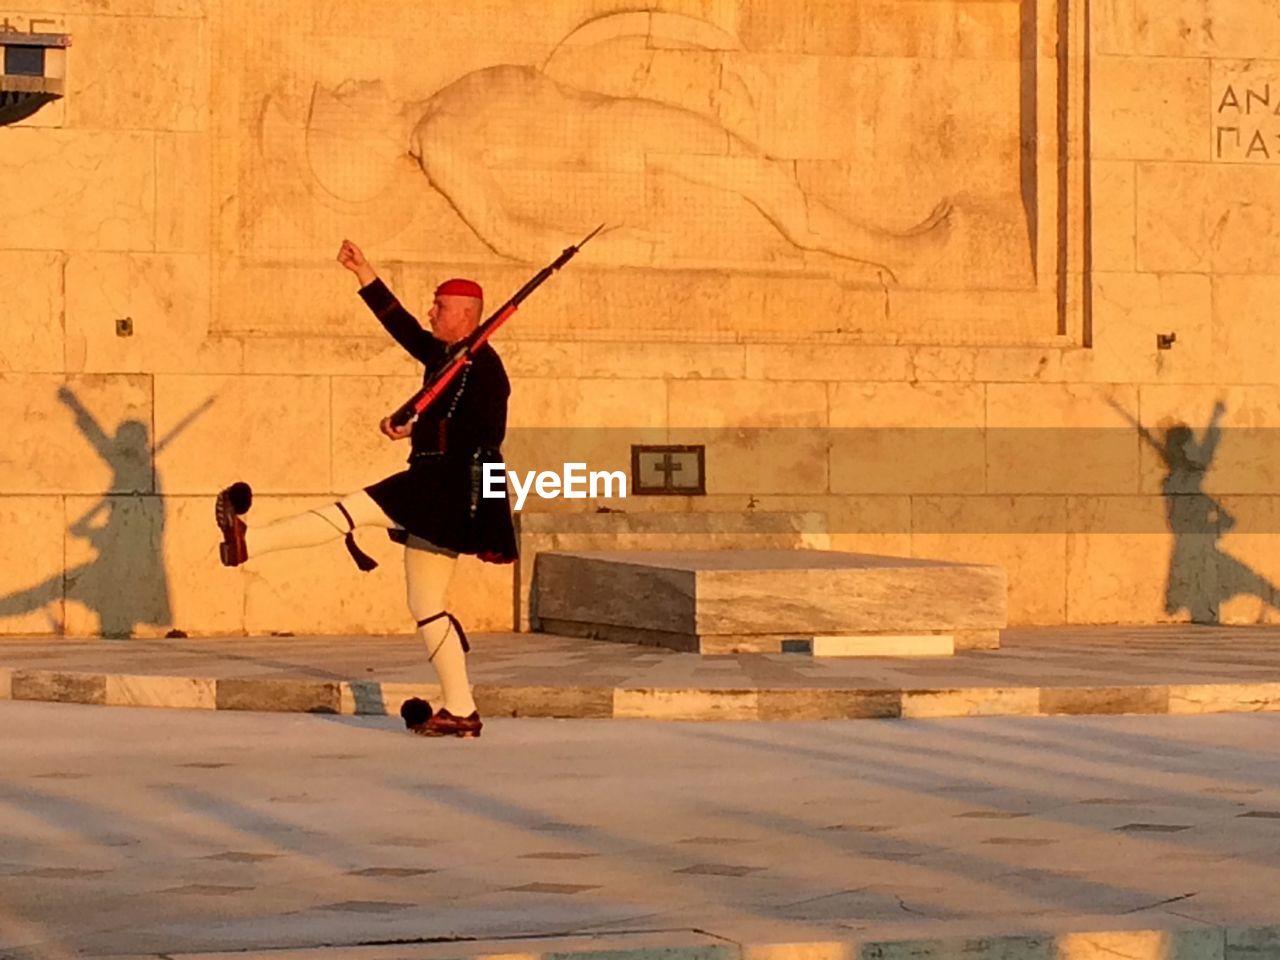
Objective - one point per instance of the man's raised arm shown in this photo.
(397, 321)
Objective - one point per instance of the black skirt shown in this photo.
(440, 499)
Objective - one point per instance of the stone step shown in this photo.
(751, 601)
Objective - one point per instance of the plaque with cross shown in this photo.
(671, 470)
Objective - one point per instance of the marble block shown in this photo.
(658, 530)
(724, 601)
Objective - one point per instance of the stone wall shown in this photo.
(900, 262)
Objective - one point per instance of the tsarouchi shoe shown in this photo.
(445, 724)
(231, 503)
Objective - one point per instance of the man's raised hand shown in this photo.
(351, 257)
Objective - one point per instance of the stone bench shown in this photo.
(754, 601)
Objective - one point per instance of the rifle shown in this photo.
(459, 355)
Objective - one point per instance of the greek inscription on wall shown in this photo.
(17, 23)
(1246, 114)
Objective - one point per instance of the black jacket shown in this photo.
(438, 498)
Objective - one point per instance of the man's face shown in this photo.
(453, 317)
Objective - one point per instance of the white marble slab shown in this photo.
(737, 600)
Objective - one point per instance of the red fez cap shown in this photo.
(460, 288)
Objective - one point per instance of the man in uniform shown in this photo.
(434, 507)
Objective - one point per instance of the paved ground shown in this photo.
(136, 831)
(1060, 670)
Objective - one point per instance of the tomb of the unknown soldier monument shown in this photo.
(400, 397)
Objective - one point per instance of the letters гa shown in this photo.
(1257, 146)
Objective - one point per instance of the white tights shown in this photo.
(427, 572)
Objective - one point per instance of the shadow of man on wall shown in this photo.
(1201, 577)
(124, 584)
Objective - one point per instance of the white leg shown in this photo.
(428, 571)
